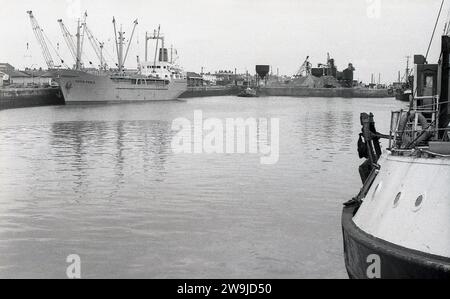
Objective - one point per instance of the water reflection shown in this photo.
(102, 151)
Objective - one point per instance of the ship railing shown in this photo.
(408, 129)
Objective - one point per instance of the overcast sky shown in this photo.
(375, 35)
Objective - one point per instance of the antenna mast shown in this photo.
(407, 68)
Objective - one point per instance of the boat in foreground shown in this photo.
(398, 225)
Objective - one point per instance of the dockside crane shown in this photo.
(305, 69)
(38, 32)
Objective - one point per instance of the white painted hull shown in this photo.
(403, 219)
(82, 87)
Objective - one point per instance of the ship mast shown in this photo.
(120, 43)
(78, 58)
(80, 42)
(121, 40)
(156, 36)
(156, 50)
(407, 69)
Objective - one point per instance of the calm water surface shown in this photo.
(102, 182)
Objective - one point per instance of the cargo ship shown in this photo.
(157, 80)
(398, 225)
(403, 89)
(84, 87)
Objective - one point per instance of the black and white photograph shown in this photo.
(237, 141)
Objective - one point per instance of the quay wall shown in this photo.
(324, 92)
(207, 91)
(29, 97)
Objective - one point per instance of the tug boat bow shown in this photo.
(398, 225)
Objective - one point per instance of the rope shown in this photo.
(434, 30)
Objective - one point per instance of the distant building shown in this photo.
(40, 77)
(3, 77)
(194, 79)
(209, 79)
(6, 67)
(29, 78)
(18, 78)
(225, 78)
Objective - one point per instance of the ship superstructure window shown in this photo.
(429, 81)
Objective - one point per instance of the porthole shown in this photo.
(377, 189)
(419, 203)
(397, 199)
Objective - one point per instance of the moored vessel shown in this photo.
(29, 97)
(157, 80)
(402, 89)
(398, 225)
(80, 86)
(248, 93)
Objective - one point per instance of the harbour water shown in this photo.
(102, 182)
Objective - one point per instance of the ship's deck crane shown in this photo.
(119, 36)
(69, 39)
(41, 40)
(97, 46)
(305, 69)
(75, 46)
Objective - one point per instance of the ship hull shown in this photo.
(401, 96)
(81, 87)
(29, 97)
(396, 262)
(402, 221)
